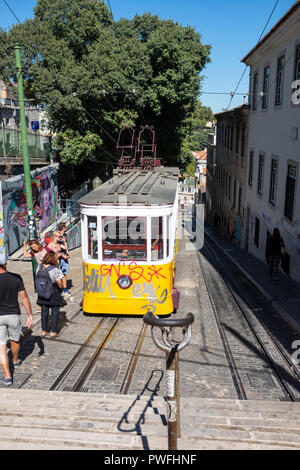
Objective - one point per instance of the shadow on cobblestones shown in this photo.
(27, 346)
(125, 425)
(284, 375)
(62, 321)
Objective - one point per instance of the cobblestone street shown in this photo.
(204, 367)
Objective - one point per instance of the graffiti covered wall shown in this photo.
(45, 205)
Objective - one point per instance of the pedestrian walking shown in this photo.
(37, 251)
(275, 251)
(64, 256)
(48, 286)
(11, 287)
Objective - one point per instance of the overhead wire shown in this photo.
(139, 109)
(11, 10)
(94, 119)
(264, 29)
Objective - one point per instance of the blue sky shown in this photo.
(232, 28)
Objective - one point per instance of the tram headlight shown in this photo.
(124, 282)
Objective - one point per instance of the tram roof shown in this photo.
(140, 187)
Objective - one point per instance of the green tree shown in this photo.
(196, 135)
(94, 76)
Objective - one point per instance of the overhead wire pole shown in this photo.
(26, 164)
(25, 153)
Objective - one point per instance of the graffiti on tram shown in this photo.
(99, 281)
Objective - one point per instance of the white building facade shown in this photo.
(273, 163)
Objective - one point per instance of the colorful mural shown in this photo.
(15, 214)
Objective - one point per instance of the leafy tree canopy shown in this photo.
(94, 76)
(196, 135)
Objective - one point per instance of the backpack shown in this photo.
(48, 236)
(43, 283)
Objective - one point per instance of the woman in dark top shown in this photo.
(276, 246)
(50, 262)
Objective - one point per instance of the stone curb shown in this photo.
(273, 303)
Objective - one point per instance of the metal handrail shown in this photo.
(169, 345)
(171, 348)
(152, 320)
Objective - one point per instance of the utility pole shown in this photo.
(4, 149)
(26, 164)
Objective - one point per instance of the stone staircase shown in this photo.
(63, 420)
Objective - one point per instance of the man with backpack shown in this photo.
(11, 286)
(48, 285)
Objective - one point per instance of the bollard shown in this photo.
(172, 366)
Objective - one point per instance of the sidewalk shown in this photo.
(283, 296)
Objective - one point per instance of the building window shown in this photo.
(261, 167)
(290, 192)
(227, 137)
(243, 144)
(240, 200)
(255, 91)
(229, 188)
(237, 141)
(279, 81)
(274, 181)
(251, 162)
(231, 138)
(256, 233)
(266, 83)
(234, 195)
(297, 66)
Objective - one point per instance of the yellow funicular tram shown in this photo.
(128, 242)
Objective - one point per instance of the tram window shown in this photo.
(124, 238)
(157, 240)
(168, 236)
(92, 237)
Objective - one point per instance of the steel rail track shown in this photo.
(86, 371)
(70, 366)
(228, 353)
(291, 369)
(81, 380)
(133, 363)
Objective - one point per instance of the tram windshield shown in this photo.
(124, 238)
